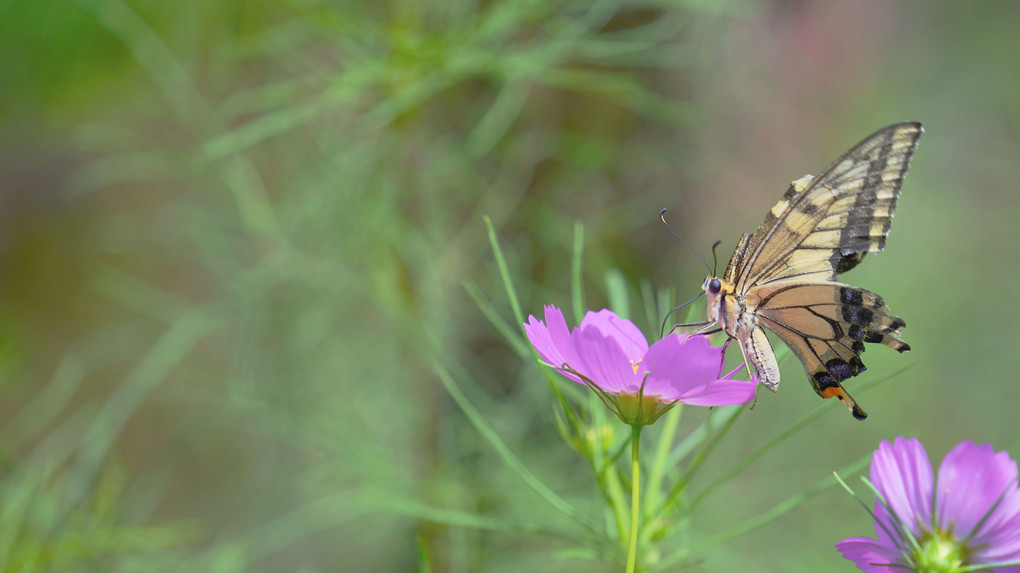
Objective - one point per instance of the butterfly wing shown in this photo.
(785, 273)
(826, 325)
(824, 225)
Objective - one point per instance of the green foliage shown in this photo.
(250, 319)
(46, 525)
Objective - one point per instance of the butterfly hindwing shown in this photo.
(826, 325)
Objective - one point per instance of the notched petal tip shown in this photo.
(622, 331)
(902, 473)
(604, 361)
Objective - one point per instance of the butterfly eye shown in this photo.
(714, 286)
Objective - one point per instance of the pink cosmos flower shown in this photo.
(637, 382)
(966, 518)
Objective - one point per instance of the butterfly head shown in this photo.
(719, 294)
(716, 287)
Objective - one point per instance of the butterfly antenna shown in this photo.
(662, 217)
(662, 331)
(715, 260)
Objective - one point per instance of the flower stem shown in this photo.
(635, 495)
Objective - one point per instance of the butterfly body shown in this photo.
(783, 277)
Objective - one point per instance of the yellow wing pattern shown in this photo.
(824, 224)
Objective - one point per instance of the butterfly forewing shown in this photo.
(831, 218)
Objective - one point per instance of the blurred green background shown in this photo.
(238, 237)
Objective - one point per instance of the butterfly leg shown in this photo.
(701, 323)
(722, 360)
(705, 326)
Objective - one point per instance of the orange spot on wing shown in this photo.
(835, 392)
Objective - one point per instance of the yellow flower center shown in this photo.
(940, 553)
(640, 411)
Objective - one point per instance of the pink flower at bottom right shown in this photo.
(966, 518)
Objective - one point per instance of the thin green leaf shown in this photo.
(178, 340)
(719, 417)
(266, 126)
(765, 518)
(86, 357)
(783, 435)
(511, 335)
(504, 273)
(576, 289)
(490, 435)
(460, 518)
(424, 553)
(649, 306)
(658, 471)
(405, 99)
(498, 118)
(511, 293)
(616, 290)
(708, 445)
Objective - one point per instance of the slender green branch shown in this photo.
(577, 291)
(511, 293)
(768, 516)
(670, 424)
(635, 496)
(508, 456)
(782, 436)
(616, 497)
(709, 445)
(504, 273)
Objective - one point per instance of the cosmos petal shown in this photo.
(611, 354)
(686, 371)
(870, 555)
(972, 479)
(626, 334)
(721, 393)
(603, 361)
(552, 339)
(976, 501)
(902, 474)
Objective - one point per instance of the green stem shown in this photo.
(659, 465)
(635, 495)
(613, 490)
